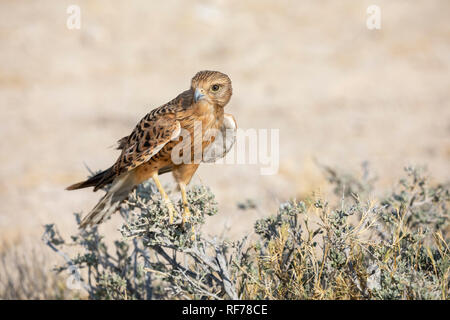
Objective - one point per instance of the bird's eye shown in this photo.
(215, 87)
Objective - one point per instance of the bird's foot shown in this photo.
(186, 214)
(185, 218)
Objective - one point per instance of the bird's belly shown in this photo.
(184, 151)
(159, 161)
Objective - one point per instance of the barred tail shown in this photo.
(97, 181)
(110, 202)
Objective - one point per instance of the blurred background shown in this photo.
(339, 93)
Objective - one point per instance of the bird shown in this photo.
(161, 139)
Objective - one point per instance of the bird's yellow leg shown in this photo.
(165, 197)
(186, 212)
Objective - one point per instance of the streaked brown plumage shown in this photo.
(147, 151)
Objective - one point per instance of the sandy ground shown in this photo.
(337, 92)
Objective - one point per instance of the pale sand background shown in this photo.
(337, 92)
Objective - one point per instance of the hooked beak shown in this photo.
(198, 95)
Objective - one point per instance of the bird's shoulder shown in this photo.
(159, 117)
(152, 132)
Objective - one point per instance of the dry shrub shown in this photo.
(354, 248)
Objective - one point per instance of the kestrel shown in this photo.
(156, 140)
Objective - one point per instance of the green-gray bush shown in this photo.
(396, 248)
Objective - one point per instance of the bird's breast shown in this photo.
(202, 116)
(201, 122)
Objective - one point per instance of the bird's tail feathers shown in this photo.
(110, 202)
(97, 181)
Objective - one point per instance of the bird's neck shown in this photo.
(205, 108)
(218, 112)
(209, 114)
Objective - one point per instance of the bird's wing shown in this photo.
(182, 102)
(150, 135)
(223, 140)
(122, 143)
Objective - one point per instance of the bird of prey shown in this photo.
(149, 150)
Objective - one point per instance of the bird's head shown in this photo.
(212, 86)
